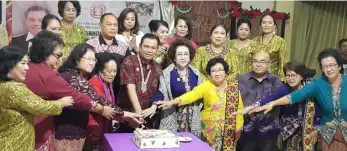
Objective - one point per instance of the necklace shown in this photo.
(185, 79)
(143, 81)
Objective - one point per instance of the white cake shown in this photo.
(155, 139)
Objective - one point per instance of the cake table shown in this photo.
(123, 142)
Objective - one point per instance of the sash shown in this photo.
(308, 126)
(232, 101)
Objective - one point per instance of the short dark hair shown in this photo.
(76, 54)
(9, 57)
(330, 52)
(244, 20)
(180, 42)
(214, 61)
(149, 36)
(61, 6)
(341, 42)
(122, 17)
(35, 8)
(102, 18)
(189, 25)
(268, 14)
(220, 25)
(299, 68)
(43, 45)
(155, 24)
(103, 58)
(47, 19)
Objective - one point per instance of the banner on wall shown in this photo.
(91, 12)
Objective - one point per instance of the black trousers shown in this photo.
(251, 144)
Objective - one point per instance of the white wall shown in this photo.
(262, 5)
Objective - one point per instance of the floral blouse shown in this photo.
(213, 112)
(72, 123)
(333, 105)
(18, 108)
(241, 58)
(71, 37)
(278, 52)
(205, 54)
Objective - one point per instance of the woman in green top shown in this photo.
(72, 33)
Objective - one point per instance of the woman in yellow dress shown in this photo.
(72, 33)
(217, 48)
(242, 48)
(220, 129)
(18, 104)
(272, 44)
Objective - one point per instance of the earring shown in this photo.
(9, 76)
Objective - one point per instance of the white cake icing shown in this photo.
(155, 139)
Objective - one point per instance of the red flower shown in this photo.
(245, 11)
(236, 14)
(253, 16)
(230, 121)
(143, 94)
(233, 89)
(257, 13)
(279, 15)
(309, 121)
(233, 99)
(229, 142)
(105, 51)
(236, 6)
(229, 132)
(307, 141)
(174, 2)
(267, 10)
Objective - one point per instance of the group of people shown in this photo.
(63, 91)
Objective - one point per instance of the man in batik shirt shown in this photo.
(139, 76)
(260, 131)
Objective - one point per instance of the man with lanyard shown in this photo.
(139, 81)
(260, 132)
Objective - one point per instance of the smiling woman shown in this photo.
(178, 78)
(220, 129)
(272, 44)
(19, 105)
(217, 48)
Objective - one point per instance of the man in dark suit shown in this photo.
(33, 21)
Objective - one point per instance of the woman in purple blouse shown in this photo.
(297, 118)
(71, 125)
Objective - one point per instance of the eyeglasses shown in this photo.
(293, 76)
(90, 59)
(58, 56)
(330, 66)
(260, 62)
